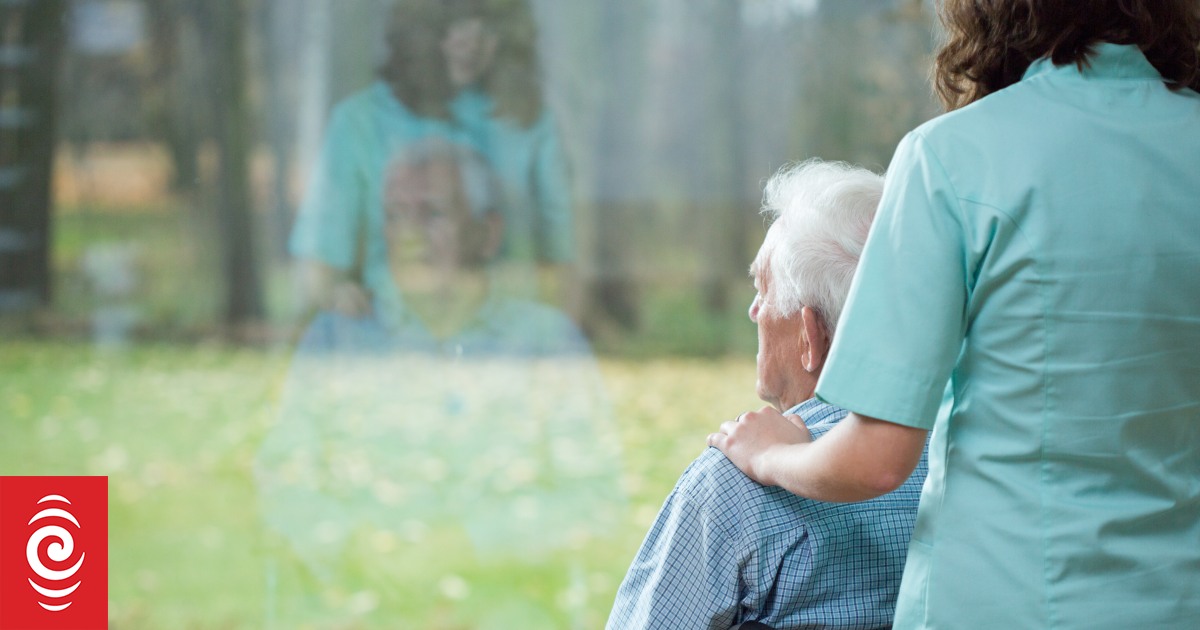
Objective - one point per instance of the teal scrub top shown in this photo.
(531, 169)
(1039, 250)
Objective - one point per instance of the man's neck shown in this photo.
(802, 390)
(445, 305)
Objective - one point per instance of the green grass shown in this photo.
(176, 428)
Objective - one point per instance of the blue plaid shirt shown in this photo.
(725, 550)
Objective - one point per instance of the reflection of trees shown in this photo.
(651, 100)
(179, 72)
(202, 69)
(31, 43)
(613, 285)
(676, 110)
(869, 87)
(671, 112)
(243, 292)
(201, 58)
(727, 207)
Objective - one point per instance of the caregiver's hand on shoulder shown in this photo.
(749, 440)
(350, 299)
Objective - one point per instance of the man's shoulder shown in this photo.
(537, 329)
(331, 332)
(715, 487)
(818, 416)
(712, 475)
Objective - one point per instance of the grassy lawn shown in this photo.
(176, 428)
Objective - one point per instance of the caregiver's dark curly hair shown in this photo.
(990, 43)
(514, 78)
(415, 67)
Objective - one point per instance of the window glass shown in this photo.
(401, 313)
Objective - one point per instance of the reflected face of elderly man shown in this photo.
(430, 222)
(790, 348)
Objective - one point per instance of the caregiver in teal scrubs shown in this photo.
(1035, 264)
(462, 72)
(337, 238)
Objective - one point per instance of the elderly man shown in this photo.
(725, 550)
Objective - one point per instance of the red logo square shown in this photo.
(53, 553)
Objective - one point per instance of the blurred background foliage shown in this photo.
(152, 157)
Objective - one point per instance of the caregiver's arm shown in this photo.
(860, 458)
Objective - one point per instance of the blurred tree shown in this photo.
(226, 23)
(284, 33)
(618, 52)
(32, 37)
(865, 85)
(723, 208)
(695, 91)
(180, 69)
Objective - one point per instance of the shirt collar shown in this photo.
(812, 407)
(1108, 61)
(818, 416)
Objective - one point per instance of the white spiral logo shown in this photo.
(59, 551)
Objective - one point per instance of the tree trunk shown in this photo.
(613, 291)
(725, 224)
(179, 64)
(279, 25)
(32, 37)
(235, 217)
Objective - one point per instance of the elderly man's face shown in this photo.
(429, 221)
(781, 376)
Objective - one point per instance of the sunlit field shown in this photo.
(176, 429)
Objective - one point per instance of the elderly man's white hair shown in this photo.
(820, 215)
(477, 179)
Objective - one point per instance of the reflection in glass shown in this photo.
(452, 411)
(461, 71)
(166, 166)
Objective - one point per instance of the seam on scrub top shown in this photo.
(932, 555)
(1037, 264)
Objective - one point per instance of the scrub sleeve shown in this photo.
(905, 319)
(329, 225)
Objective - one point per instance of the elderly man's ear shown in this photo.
(816, 341)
